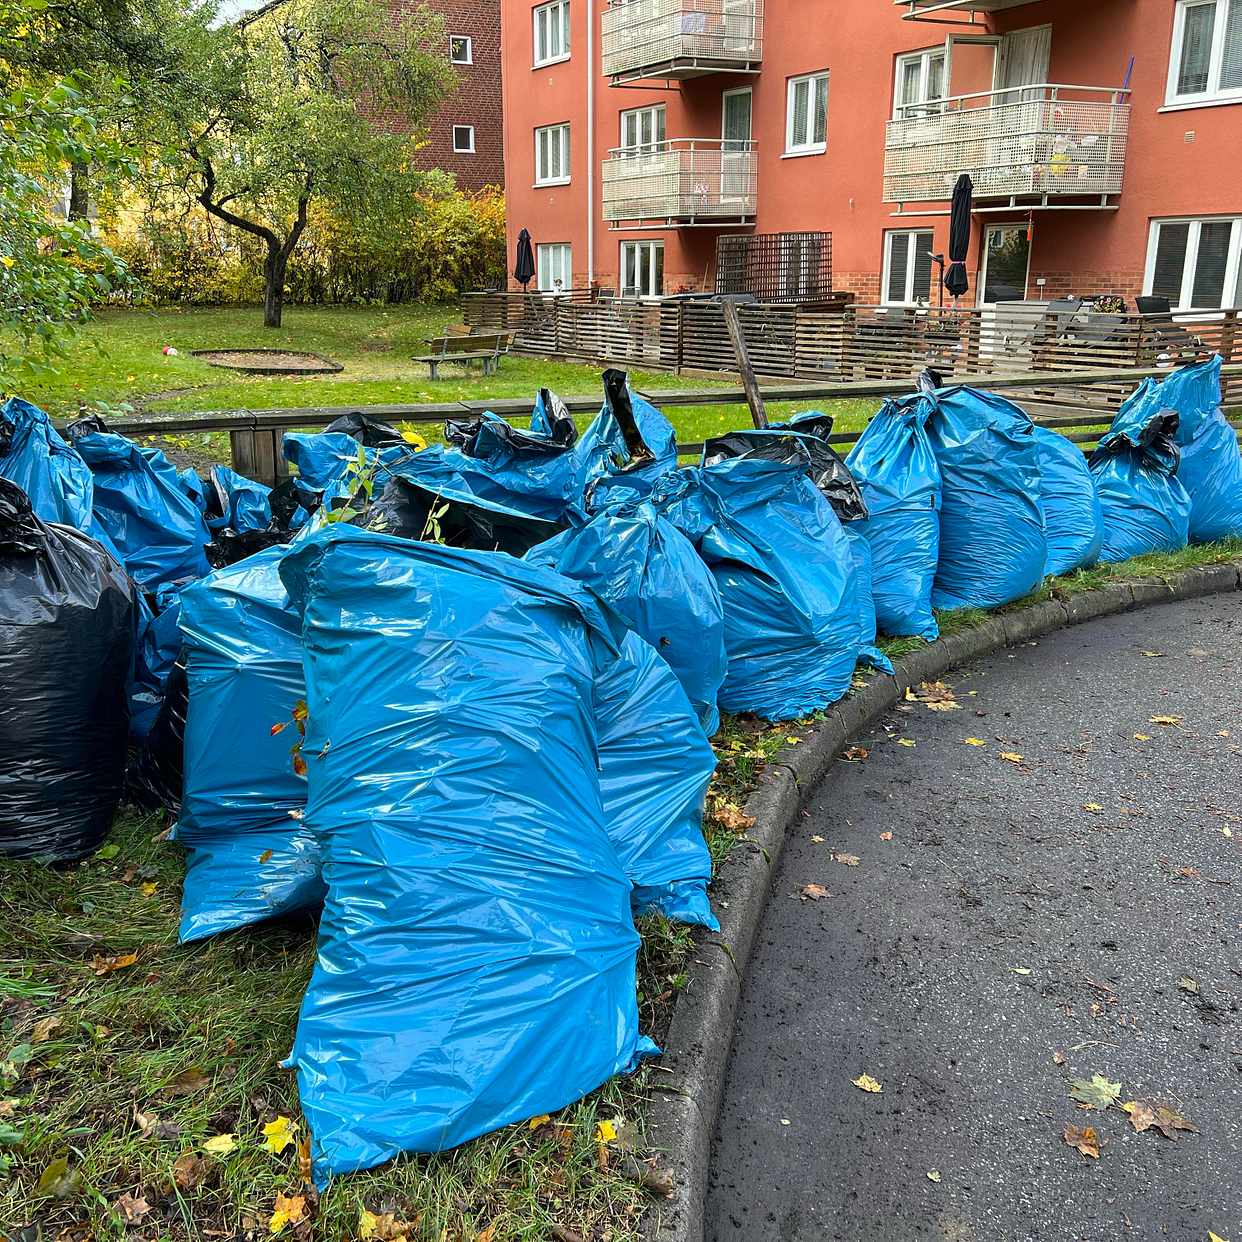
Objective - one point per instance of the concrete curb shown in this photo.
(689, 1077)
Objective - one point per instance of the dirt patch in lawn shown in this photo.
(269, 361)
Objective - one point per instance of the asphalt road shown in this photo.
(1008, 923)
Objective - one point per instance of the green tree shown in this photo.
(279, 119)
(51, 270)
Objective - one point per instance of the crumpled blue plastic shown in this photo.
(860, 549)
(992, 546)
(244, 504)
(325, 460)
(477, 950)
(1073, 520)
(248, 858)
(1144, 506)
(786, 575)
(649, 572)
(49, 471)
(895, 467)
(159, 644)
(655, 766)
(1211, 463)
(156, 528)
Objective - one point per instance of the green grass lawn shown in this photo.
(118, 359)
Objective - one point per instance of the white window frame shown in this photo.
(793, 147)
(659, 125)
(650, 248)
(469, 129)
(1190, 264)
(924, 58)
(1213, 92)
(908, 235)
(469, 42)
(562, 130)
(552, 260)
(555, 17)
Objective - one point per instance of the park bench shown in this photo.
(466, 348)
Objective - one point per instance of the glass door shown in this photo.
(1006, 263)
(735, 133)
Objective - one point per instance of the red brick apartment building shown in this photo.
(465, 133)
(1103, 137)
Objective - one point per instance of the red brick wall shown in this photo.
(476, 101)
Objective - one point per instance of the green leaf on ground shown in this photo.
(1095, 1092)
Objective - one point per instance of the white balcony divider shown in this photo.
(1046, 140)
(681, 179)
(681, 38)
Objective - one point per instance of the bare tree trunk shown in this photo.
(274, 268)
(79, 195)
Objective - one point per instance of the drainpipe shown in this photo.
(590, 142)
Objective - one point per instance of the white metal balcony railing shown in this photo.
(1048, 141)
(680, 38)
(682, 180)
(943, 10)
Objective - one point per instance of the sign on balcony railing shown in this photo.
(680, 179)
(681, 37)
(1045, 140)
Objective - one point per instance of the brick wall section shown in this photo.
(476, 101)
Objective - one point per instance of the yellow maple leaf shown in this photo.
(367, 1223)
(1011, 756)
(279, 1134)
(1215, 1237)
(148, 889)
(221, 1145)
(1094, 807)
(542, 1120)
(1142, 737)
(289, 1210)
(606, 1132)
(1165, 720)
(864, 1082)
(8, 262)
(974, 741)
(905, 741)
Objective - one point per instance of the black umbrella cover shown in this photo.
(955, 280)
(524, 268)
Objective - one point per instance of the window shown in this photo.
(552, 32)
(461, 49)
(552, 155)
(806, 125)
(642, 129)
(1206, 60)
(554, 267)
(907, 266)
(642, 269)
(463, 139)
(919, 84)
(1196, 264)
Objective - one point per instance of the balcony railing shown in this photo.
(1039, 142)
(681, 38)
(683, 181)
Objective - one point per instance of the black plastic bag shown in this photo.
(67, 632)
(369, 432)
(552, 431)
(154, 778)
(780, 441)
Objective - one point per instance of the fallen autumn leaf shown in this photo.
(864, 1082)
(1083, 1139)
(1095, 1092)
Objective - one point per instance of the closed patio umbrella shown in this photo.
(955, 280)
(524, 268)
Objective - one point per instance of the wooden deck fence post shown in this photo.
(754, 398)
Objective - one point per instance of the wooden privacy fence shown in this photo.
(1079, 410)
(846, 343)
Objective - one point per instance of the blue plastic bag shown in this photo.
(477, 951)
(1143, 505)
(326, 461)
(992, 546)
(248, 858)
(860, 549)
(157, 529)
(649, 572)
(655, 766)
(159, 644)
(609, 466)
(242, 504)
(1211, 463)
(897, 471)
(35, 457)
(787, 578)
(1073, 521)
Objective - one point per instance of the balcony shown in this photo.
(681, 183)
(1036, 146)
(678, 39)
(944, 10)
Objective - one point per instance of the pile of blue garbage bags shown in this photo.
(459, 700)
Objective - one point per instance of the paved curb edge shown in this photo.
(689, 1078)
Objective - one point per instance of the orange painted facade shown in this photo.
(1184, 161)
